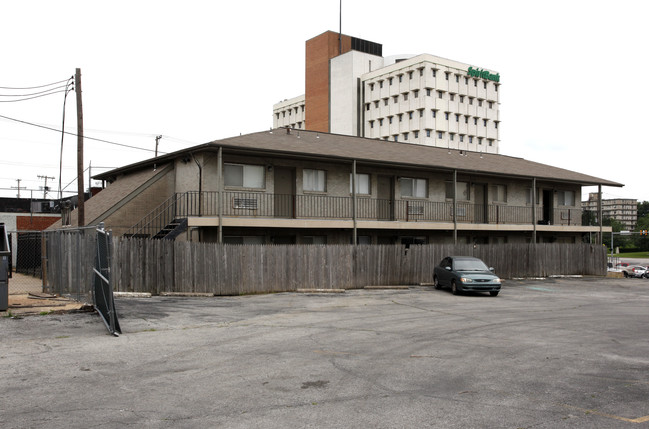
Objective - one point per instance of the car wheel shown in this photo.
(494, 293)
(454, 288)
(626, 275)
(436, 283)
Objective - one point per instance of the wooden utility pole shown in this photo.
(81, 221)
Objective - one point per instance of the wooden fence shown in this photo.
(157, 266)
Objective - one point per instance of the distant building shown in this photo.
(622, 210)
(351, 89)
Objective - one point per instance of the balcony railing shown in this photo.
(312, 206)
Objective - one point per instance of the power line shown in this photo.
(74, 134)
(34, 87)
(33, 93)
(31, 98)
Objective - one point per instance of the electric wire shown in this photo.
(31, 98)
(34, 87)
(34, 93)
(75, 134)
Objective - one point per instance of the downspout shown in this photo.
(355, 238)
(200, 192)
(534, 210)
(454, 206)
(219, 178)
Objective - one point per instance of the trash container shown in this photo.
(5, 254)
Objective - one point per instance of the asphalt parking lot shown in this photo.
(547, 353)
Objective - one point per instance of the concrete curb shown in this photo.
(386, 287)
(320, 290)
(131, 295)
(188, 294)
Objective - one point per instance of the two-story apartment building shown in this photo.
(290, 186)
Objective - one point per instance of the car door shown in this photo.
(444, 275)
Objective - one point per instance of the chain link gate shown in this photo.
(102, 286)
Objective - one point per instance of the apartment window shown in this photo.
(376, 103)
(314, 239)
(371, 124)
(491, 142)
(484, 122)
(405, 136)
(440, 135)
(277, 115)
(496, 124)
(416, 134)
(457, 117)
(566, 198)
(409, 115)
(470, 139)
(421, 72)
(491, 104)
(380, 121)
(461, 138)
(475, 121)
(451, 97)
(434, 113)
(371, 87)
(479, 103)
(362, 183)
(302, 107)
(421, 113)
(461, 98)
(396, 98)
(390, 119)
(440, 94)
(446, 115)
(400, 78)
(410, 75)
(428, 92)
(428, 133)
(390, 81)
(434, 73)
(415, 188)
(385, 101)
(479, 140)
(244, 176)
(405, 96)
(380, 84)
(466, 119)
(400, 117)
(283, 114)
(462, 190)
(367, 106)
(451, 136)
(498, 193)
(416, 93)
(314, 180)
(395, 137)
(446, 75)
(234, 239)
(471, 101)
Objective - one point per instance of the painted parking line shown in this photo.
(542, 289)
(610, 416)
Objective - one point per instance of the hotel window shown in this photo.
(367, 106)
(376, 103)
(428, 92)
(457, 117)
(410, 75)
(405, 96)
(446, 75)
(390, 119)
(496, 124)
(299, 124)
(479, 140)
(461, 138)
(451, 136)
(434, 73)
(400, 78)
(428, 133)
(471, 101)
(566, 198)
(405, 136)
(371, 124)
(479, 103)
(457, 78)
(414, 188)
(283, 114)
(244, 176)
(446, 115)
(416, 93)
(491, 104)
(475, 82)
(396, 98)
(380, 121)
(485, 85)
(416, 133)
(421, 113)
(302, 107)
(466, 119)
(409, 115)
(440, 135)
(380, 84)
(461, 98)
(314, 180)
(421, 72)
(496, 87)
(277, 115)
(440, 94)
(371, 87)
(400, 115)
(451, 96)
(390, 81)
(491, 142)
(362, 183)
(498, 193)
(466, 80)
(484, 122)
(475, 121)
(462, 190)
(470, 139)
(296, 110)
(396, 137)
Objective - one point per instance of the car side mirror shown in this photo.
(448, 268)
(491, 269)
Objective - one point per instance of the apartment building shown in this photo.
(302, 187)
(620, 209)
(351, 89)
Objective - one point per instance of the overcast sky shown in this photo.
(574, 92)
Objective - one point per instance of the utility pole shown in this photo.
(81, 212)
(157, 139)
(18, 187)
(45, 188)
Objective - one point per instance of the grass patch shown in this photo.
(642, 255)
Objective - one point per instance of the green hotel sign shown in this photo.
(484, 74)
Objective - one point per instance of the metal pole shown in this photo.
(81, 220)
(454, 206)
(219, 178)
(599, 214)
(355, 237)
(534, 210)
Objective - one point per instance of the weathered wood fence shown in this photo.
(157, 266)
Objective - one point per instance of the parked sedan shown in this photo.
(637, 271)
(465, 273)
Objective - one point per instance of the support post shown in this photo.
(600, 238)
(81, 212)
(219, 178)
(354, 235)
(454, 206)
(534, 222)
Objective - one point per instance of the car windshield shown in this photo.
(470, 265)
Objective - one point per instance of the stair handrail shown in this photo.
(163, 214)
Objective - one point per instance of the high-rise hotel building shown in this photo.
(351, 89)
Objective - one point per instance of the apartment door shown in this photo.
(284, 196)
(481, 207)
(385, 198)
(548, 207)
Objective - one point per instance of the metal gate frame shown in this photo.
(102, 291)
